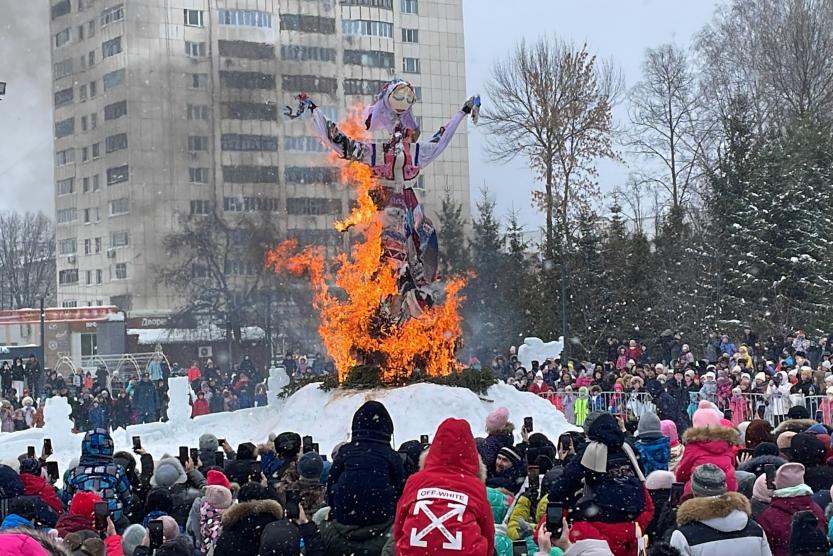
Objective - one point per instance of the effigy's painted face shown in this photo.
(402, 98)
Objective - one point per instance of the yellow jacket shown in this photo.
(521, 513)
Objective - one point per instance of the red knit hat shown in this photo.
(218, 478)
(83, 503)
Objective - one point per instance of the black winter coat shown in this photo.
(367, 476)
(283, 538)
(243, 524)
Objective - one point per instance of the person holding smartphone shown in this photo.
(35, 485)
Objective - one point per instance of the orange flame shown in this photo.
(349, 299)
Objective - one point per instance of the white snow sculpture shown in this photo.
(535, 349)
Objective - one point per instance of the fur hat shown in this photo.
(310, 466)
(659, 480)
(789, 475)
(706, 415)
(708, 480)
(497, 420)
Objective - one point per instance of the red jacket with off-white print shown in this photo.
(444, 509)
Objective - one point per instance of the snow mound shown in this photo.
(536, 349)
(326, 416)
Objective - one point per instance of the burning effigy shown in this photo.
(384, 303)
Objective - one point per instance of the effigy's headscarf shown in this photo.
(380, 115)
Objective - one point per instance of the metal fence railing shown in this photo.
(632, 405)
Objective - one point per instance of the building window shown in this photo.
(384, 4)
(67, 215)
(312, 206)
(410, 65)
(119, 239)
(113, 79)
(115, 110)
(250, 174)
(120, 271)
(200, 207)
(410, 35)
(116, 142)
(80, 32)
(85, 188)
(240, 268)
(308, 23)
(88, 246)
(241, 142)
(119, 206)
(91, 29)
(61, 8)
(66, 186)
(328, 238)
(69, 304)
(197, 80)
(194, 18)
(82, 92)
(64, 97)
(363, 86)
(308, 53)
(87, 218)
(84, 123)
(96, 150)
(303, 144)
(91, 58)
(303, 174)
(97, 242)
(249, 111)
(195, 49)
(96, 185)
(111, 15)
(98, 280)
(65, 157)
(63, 69)
(85, 154)
(251, 204)
(197, 143)
(111, 47)
(410, 7)
(69, 276)
(367, 28)
(310, 83)
(198, 175)
(62, 37)
(197, 112)
(370, 58)
(64, 128)
(245, 18)
(66, 246)
(93, 89)
(247, 50)
(116, 175)
(247, 80)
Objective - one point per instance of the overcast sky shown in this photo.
(616, 29)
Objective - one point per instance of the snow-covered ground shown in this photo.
(326, 416)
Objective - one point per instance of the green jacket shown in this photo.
(580, 409)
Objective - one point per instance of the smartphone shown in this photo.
(769, 469)
(257, 471)
(293, 501)
(565, 442)
(555, 518)
(519, 548)
(47, 447)
(195, 456)
(220, 459)
(423, 439)
(528, 424)
(533, 474)
(183, 455)
(323, 457)
(142, 551)
(102, 512)
(745, 452)
(137, 443)
(52, 470)
(315, 447)
(306, 441)
(155, 534)
(727, 414)
(221, 442)
(676, 493)
(30, 451)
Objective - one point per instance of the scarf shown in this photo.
(791, 492)
(595, 458)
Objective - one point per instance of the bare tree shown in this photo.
(27, 259)
(219, 265)
(667, 124)
(551, 103)
(777, 54)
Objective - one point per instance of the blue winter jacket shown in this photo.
(654, 454)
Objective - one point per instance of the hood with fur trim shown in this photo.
(239, 512)
(794, 425)
(711, 434)
(712, 507)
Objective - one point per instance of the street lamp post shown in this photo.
(42, 334)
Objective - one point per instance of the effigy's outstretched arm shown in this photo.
(329, 133)
(438, 143)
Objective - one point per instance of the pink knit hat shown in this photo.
(497, 420)
(789, 475)
(706, 415)
(669, 430)
(760, 491)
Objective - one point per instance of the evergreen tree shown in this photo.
(454, 255)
